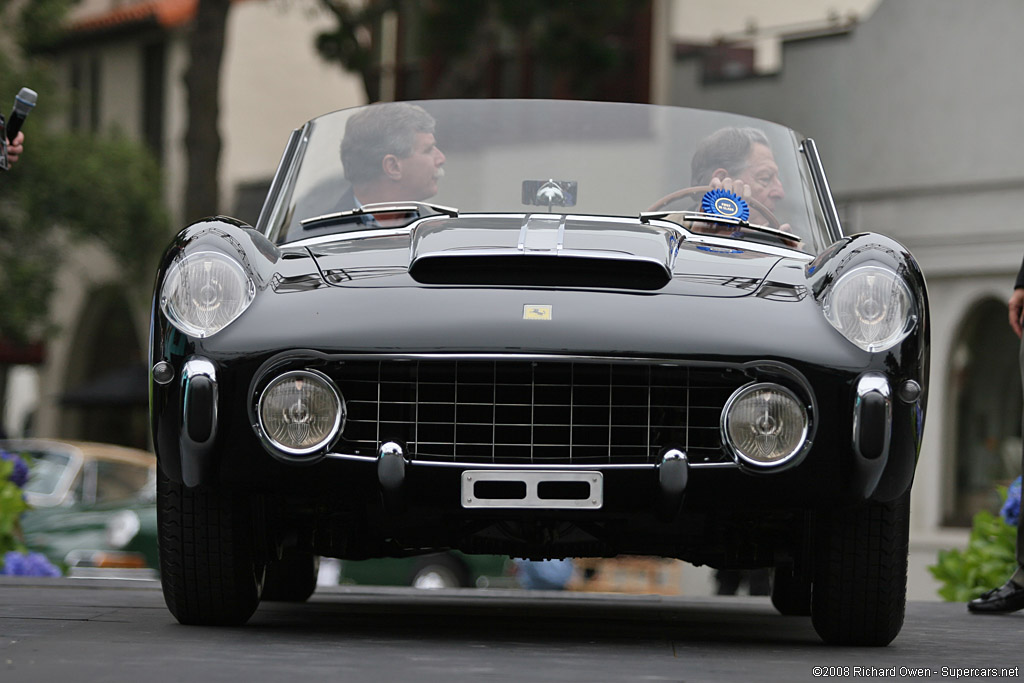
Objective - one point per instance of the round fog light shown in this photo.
(765, 424)
(301, 412)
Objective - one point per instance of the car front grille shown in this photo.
(519, 412)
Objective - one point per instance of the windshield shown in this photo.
(47, 469)
(518, 156)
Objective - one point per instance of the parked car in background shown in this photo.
(92, 506)
(599, 329)
(435, 570)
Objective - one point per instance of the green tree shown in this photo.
(351, 44)
(65, 188)
(578, 44)
(202, 79)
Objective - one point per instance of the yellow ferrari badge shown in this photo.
(537, 312)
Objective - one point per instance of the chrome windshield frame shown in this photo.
(822, 189)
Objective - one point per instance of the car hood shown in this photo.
(545, 250)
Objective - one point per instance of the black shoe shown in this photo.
(1007, 598)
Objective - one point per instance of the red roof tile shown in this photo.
(167, 13)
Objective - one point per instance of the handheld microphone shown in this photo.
(23, 103)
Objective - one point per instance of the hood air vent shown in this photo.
(540, 270)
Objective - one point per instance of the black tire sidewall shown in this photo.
(208, 567)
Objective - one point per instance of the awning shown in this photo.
(126, 386)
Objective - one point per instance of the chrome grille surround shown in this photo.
(533, 411)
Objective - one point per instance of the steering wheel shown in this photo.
(772, 221)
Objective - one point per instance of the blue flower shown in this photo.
(1011, 508)
(30, 564)
(20, 474)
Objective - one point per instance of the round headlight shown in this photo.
(872, 307)
(765, 424)
(205, 292)
(301, 412)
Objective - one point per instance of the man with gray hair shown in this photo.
(739, 160)
(742, 159)
(389, 154)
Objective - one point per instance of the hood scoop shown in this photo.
(543, 250)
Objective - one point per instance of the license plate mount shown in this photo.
(533, 489)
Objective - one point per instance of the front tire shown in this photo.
(208, 567)
(859, 591)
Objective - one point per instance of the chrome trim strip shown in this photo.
(504, 466)
(521, 245)
(647, 219)
(273, 211)
(822, 189)
(669, 362)
(382, 207)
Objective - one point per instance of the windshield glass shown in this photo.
(520, 156)
(47, 470)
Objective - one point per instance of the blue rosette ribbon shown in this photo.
(725, 203)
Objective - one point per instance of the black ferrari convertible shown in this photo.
(541, 329)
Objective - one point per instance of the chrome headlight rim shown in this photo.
(794, 456)
(303, 455)
(179, 271)
(830, 307)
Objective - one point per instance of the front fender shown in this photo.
(906, 364)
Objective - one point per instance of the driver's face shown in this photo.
(421, 170)
(762, 175)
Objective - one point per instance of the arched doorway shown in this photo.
(985, 394)
(106, 395)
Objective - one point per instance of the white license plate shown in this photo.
(532, 489)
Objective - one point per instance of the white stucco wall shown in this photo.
(273, 82)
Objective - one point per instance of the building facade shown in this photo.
(917, 126)
(121, 69)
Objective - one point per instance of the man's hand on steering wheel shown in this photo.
(743, 190)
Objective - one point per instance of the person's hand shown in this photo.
(1016, 309)
(15, 148)
(743, 190)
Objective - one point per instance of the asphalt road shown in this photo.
(94, 630)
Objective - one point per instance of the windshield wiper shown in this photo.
(697, 216)
(372, 209)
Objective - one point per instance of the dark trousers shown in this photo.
(1020, 522)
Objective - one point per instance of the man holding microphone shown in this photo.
(15, 148)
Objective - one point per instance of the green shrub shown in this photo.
(12, 504)
(987, 562)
